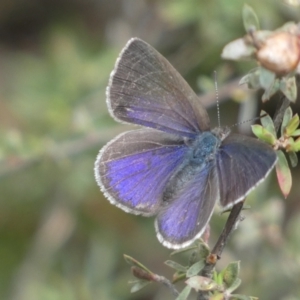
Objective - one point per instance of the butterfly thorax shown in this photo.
(204, 147)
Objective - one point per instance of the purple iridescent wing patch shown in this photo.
(134, 168)
(184, 219)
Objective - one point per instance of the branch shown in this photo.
(166, 282)
(231, 224)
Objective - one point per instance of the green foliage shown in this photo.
(250, 19)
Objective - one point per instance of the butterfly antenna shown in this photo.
(249, 120)
(217, 99)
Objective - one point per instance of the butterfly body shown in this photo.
(174, 167)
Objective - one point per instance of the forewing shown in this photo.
(134, 168)
(184, 219)
(242, 163)
(145, 89)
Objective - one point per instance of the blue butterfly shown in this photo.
(174, 167)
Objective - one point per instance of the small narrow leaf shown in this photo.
(294, 146)
(289, 88)
(139, 285)
(133, 262)
(267, 122)
(266, 78)
(252, 79)
(178, 276)
(270, 91)
(292, 125)
(231, 273)
(195, 268)
(293, 159)
(283, 172)
(263, 134)
(250, 19)
(184, 294)
(176, 266)
(234, 285)
(203, 250)
(296, 133)
(288, 114)
(218, 277)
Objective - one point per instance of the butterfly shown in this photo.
(174, 167)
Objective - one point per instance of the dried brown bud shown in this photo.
(280, 53)
(211, 259)
(141, 274)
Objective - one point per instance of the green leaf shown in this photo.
(292, 125)
(294, 146)
(250, 19)
(204, 250)
(289, 88)
(263, 134)
(269, 83)
(288, 114)
(200, 283)
(184, 294)
(218, 277)
(296, 133)
(138, 285)
(195, 268)
(293, 158)
(270, 91)
(178, 276)
(230, 274)
(234, 285)
(267, 123)
(176, 266)
(133, 262)
(266, 79)
(252, 79)
(283, 172)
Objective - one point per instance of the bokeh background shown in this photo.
(60, 239)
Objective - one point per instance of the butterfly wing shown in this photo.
(145, 89)
(242, 163)
(133, 169)
(184, 219)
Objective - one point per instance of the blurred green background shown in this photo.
(60, 239)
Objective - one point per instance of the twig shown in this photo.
(166, 282)
(216, 253)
